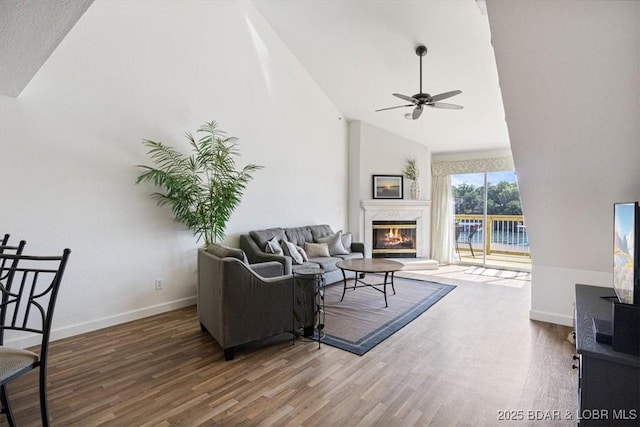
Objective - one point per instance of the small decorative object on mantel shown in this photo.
(387, 187)
(412, 172)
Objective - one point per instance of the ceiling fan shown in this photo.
(420, 100)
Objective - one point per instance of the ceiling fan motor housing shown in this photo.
(422, 97)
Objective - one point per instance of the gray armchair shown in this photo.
(239, 303)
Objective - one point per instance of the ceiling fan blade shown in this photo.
(416, 112)
(391, 108)
(445, 95)
(446, 106)
(406, 98)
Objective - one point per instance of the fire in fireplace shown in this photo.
(395, 239)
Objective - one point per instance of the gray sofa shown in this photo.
(240, 302)
(254, 244)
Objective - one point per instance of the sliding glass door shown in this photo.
(489, 225)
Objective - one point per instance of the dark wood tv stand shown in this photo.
(609, 381)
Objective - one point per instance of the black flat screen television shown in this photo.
(622, 329)
(626, 253)
(626, 278)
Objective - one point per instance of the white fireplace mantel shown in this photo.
(410, 210)
(391, 204)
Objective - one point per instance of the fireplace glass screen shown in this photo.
(394, 239)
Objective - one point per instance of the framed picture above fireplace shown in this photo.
(387, 186)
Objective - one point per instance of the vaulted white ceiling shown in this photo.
(30, 30)
(359, 52)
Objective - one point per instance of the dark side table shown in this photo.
(313, 277)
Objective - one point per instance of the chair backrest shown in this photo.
(29, 293)
(472, 231)
(5, 248)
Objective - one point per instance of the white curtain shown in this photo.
(442, 220)
(442, 212)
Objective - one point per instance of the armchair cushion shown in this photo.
(268, 269)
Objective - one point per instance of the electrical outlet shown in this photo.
(158, 284)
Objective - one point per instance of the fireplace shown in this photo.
(397, 210)
(394, 239)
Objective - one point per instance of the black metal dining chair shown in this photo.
(29, 286)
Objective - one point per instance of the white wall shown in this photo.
(133, 70)
(374, 151)
(570, 78)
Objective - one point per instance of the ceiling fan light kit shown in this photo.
(421, 99)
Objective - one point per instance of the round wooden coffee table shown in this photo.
(370, 265)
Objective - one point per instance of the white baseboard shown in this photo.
(104, 322)
(558, 319)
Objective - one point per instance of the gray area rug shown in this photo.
(361, 321)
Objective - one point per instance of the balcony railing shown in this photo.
(503, 234)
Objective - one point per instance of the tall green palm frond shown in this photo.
(202, 189)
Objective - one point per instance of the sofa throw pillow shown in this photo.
(334, 242)
(302, 252)
(273, 247)
(289, 249)
(347, 239)
(315, 250)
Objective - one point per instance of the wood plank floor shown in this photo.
(471, 356)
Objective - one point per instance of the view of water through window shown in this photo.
(490, 227)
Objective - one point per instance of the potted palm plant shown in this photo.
(202, 189)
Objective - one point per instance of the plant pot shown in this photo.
(414, 190)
